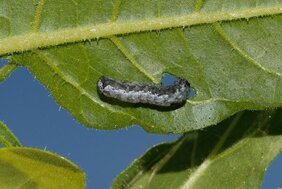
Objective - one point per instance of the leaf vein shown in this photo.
(201, 68)
(198, 5)
(131, 58)
(225, 135)
(38, 15)
(77, 86)
(241, 52)
(200, 170)
(166, 158)
(116, 8)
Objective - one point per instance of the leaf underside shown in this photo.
(230, 53)
(7, 138)
(233, 154)
(6, 70)
(32, 168)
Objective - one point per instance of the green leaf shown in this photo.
(229, 51)
(32, 168)
(7, 138)
(6, 70)
(233, 154)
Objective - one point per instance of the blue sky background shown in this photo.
(31, 113)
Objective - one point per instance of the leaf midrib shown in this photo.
(34, 40)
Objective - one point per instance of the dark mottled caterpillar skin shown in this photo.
(154, 94)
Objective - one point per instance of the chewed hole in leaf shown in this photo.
(169, 79)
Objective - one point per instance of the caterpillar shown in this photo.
(153, 94)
